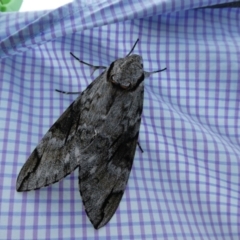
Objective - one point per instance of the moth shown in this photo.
(97, 134)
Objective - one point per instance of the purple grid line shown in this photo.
(227, 134)
(4, 160)
(179, 177)
(153, 228)
(173, 197)
(191, 202)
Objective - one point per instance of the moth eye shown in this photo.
(114, 79)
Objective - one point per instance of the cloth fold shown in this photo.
(23, 31)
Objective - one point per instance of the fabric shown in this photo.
(186, 184)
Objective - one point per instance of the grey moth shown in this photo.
(97, 134)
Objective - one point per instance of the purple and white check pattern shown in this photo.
(186, 184)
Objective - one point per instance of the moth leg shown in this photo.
(66, 92)
(90, 65)
(147, 74)
(140, 147)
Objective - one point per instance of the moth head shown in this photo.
(126, 73)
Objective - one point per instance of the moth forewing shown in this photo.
(97, 133)
(54, 157)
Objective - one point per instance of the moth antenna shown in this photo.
(90, 65)
(133, 47)
(147, 74)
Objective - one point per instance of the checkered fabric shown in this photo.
(186, 183)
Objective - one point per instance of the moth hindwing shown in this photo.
(98, 134)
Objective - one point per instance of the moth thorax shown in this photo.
(127, 73)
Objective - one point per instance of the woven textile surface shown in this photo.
(186, 183)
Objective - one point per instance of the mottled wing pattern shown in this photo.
(102, 191)
(106, 164)
(54, 157)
